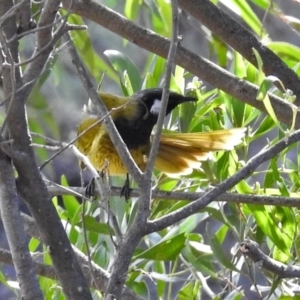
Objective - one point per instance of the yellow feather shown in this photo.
(178, 153)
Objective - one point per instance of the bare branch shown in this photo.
(228, 30)
(137, 229)
(58, 190)
(251, 249)
(30, 184)
(10, 215)
(192, 62)
(101, 275)
(108, 123)
(40, 269)
(25, 21)
(227, 184)
(165, 95)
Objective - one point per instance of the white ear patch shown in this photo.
(155, 107)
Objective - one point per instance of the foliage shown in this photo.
(198, 257)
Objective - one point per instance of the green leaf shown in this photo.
(235, 295)
(92, 225)
(240, 69)
(161, 16)
(265, 126)
(95, 64)
(123, 63)
(190, 291)
(166, 250)
(140, 288)
(157, 68)
(70, 202)
(131, 9)
(201, 261)
(269, 226)
(285, 50)
(244, 10)
(263, 95)
(218, 47)
(220, 254)
(33, 244)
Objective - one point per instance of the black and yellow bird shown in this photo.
(178, 153)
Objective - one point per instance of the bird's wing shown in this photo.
(180, 153)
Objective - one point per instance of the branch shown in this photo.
(10, 215)
(49, 272)
(40, 269)
(227, 184)
(58, 190)
(103, 113)
(30, 185)
(228, 29)
(137, 230)
(251, 249)
(9, 199)
(100, 274)
(199, 66)
(26, 22)
(165, 95)
(46, 39)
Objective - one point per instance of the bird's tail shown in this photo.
(180, 153)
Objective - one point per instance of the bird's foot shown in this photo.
(90, 189)
(126, 190)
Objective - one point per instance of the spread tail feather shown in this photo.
(180, 153)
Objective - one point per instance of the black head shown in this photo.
(136, 130)
(152, 99)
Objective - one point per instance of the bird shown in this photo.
(135, 118)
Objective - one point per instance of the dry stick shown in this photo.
(251, 249)
(108, 123)
(48, 271)
(103, 191)
(12, 11)
(59, 32)
(88, 253)
(30, 183)
(11, 65)
(25, 21)
(18, 90)
(40, 269)
(136, 231)
(58, 190)
(9, 198)
(67, 145)
(56, 37)
(66, 190)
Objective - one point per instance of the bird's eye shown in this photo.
(155, 108)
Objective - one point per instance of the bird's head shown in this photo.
(152, 99)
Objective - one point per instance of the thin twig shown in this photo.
(10, 63)
(227, 184)
(291, 201)
(165, 94)
(251, 250)
(108, 122)
(88, 253)
(192, 62)
(67, 145)
(137, 230)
